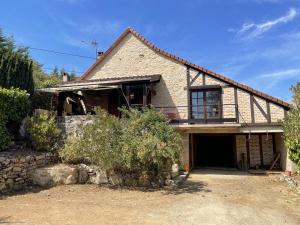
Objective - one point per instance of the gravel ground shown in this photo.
(208, 197)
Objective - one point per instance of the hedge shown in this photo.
(14, 106)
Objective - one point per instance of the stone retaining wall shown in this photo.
(16, 168)
(70, 124)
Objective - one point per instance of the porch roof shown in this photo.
(101, 84)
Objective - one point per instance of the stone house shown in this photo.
(223, 123)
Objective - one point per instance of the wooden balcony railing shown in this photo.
(200, 114)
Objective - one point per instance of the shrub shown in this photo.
(291, 127)
(14, 106)
(43, 132)
(5, 138)
(150, 142)
(140, 143)
(291, 135)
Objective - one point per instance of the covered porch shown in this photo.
(81, 97)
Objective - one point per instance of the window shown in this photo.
(205, 104)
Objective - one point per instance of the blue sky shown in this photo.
(256, 42)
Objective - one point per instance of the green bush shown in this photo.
(291, 127)
(291, 135)
(5, 137)
(43, 132)
(141, 143)
(14, 106)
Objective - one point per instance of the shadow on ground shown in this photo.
(220, 171)
(187, 187)
(27, 190)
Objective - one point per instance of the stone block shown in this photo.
(54, 175)
(98, 177)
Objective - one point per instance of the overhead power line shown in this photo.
(61, 53)
(70, 71)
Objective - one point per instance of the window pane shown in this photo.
(200, 94)
(194, 101)
(212, 111)
(194, 94)
(212, 97)
(200, 102)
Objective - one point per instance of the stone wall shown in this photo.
(254, 149)
(16, 168)
(70, 124)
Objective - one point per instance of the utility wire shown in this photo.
(51, 69)
(62, 53)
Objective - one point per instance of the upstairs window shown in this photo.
(206, 104)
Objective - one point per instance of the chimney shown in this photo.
(99, 54)
(66, 77)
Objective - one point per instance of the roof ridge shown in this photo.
(185, 62)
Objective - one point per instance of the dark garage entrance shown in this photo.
(213, 150)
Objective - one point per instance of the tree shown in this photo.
(42, 79)
(296, 96)
(15, 65)
(291, 127)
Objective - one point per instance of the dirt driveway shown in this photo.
(209, 197)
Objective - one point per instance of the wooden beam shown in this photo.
(285, 113)
(268, 112)
(236, 102)
(274, 144)
(128, 95)
(144, 95)
(202, 121)
(203, 79)
(188, 77)
(248, 151)
(205, 87)
(260, 108)
(261, 151)
(195, 78)
(252, 109)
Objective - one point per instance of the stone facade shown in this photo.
(16, 168)
(132, 57)
(70, 125)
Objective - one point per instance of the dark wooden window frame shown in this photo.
(204, 90)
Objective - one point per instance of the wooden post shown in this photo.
(248, 152)
(144, 95)
(252, 109)
(268, 112)
(188, 76)
(236, 102)
(261, 151)
(203, 79)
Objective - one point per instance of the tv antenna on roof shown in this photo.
(94, 44)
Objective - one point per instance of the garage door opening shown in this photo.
(213, 150)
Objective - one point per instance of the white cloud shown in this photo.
(250, 31)
(275, 77)
(284, 74)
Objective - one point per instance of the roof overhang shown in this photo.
(77, 88)
(101, 84)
